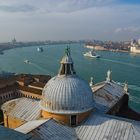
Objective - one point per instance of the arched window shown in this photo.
(73, 120)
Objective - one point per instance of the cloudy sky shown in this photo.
(69, 19)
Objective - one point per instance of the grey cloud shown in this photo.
(17, 8)
(99, 22)
(127, 29)
(74, 5)
(52, 5)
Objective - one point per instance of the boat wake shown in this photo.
(134, 99)
(41, 69)
(131, 97)
(119, 62)
(38, 67)
(132, 87)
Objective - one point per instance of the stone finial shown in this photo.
(91, 82)
(125, 87)
(108, 78)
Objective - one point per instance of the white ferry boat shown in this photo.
(92, 54)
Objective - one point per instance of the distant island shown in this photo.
(109, 46)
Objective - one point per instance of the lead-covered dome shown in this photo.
(67, 93)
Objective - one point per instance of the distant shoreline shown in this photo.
(5, 47)
(8, 46)
(100, 48)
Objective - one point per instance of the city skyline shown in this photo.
(69, 20)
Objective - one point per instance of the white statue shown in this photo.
(108, 78)
(125, 87)
(91, 82)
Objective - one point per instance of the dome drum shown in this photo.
(67, 119)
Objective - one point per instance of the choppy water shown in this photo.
(124, 66)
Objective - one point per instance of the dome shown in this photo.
(67, 95)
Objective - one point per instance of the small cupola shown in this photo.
(67, 67)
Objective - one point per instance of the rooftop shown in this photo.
(23, 108)
(107, 94)
(9, 134)
(96, 127)
(30, 89)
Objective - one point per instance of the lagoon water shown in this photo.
(124, 66)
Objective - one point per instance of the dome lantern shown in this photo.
(66, 67)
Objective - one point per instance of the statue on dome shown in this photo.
(67, 50)
(108, 78)
(91, 82)
(126, 87)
